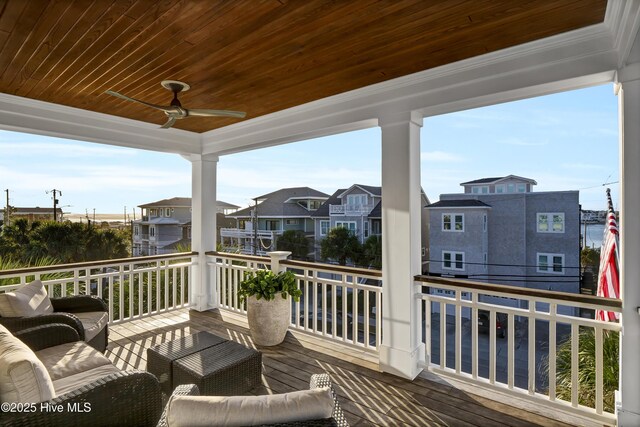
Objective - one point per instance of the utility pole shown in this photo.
(6, 210)
(55, 202)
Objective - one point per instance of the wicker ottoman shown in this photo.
(225, 369)
(160, 358)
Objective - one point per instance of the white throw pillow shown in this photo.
(26, 301)
(23, 377)
(195, 411)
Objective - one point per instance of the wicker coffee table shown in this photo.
(218, 366)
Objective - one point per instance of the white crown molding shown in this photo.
(44, 118)
(622, 19)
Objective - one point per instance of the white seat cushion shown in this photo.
(71, 358)
(93, 322)
(195, 411)
(73, 382)
(23, 377)
(26, 301)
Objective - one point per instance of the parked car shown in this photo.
(484, 321)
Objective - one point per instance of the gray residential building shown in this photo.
(165, 226)
(274, 213)
(501, 231)
(358, 208)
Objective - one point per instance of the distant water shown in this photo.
(594, 235)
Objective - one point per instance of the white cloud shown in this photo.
(440, 156)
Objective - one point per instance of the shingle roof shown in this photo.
(493, 180)
(323, 210)
(273, 204)
(376, 191)
(376, 212)
(465, 203)
(184, 202)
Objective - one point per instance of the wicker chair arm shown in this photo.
(15, 324)
(78, 304)
(181, 390)
(323, 380)
(131, 398)
(48, 335)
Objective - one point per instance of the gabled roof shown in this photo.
(460, 203)
(374, 191)
(274, 204)
(183, 202)
(323, 210)
(376, 212)
(498, 179)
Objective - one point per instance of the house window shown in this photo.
(551, 263)
(324, 227)
(272, 224)
(500, 188)
(366, 229)
(292, 221)
(550, 222)
(511, 188)
(152, 231)
(136, 231)
(480, 189)
(357, 199)
(167, 212)
(452, 222)
(152, 212)
(314, 204)
(349, 225)
(375, 227)
(522, 188)
(452, 260)
(484, 223)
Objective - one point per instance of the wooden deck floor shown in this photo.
(368, 396)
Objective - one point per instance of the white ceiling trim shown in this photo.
(43, 118)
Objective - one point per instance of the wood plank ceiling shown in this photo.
(250, 55)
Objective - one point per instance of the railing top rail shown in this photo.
(332, 267)
(263, 259)
(536, 293)
(75, 265)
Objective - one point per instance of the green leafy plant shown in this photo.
(266, 284)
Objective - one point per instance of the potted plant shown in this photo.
(268, 305)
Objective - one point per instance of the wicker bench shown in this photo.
(218, 366)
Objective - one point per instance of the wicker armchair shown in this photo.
(125, 398)
(317, 381)
(68, 311)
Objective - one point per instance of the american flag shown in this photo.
(608, 278)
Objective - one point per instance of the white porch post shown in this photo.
(628, 410)
(203, 294)
(401, 352)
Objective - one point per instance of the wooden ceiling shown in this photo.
(250, 55)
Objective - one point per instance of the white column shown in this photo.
(402, 351)
(628, 409)
(203, 294)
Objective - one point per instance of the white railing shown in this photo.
(131, 287)
(338, 303)
(350, 210)
(542, 354)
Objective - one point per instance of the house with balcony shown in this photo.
(258, 226)
(299, 79)
(501, 231)
(359, 209)
(165, 225)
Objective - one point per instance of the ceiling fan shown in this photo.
(175, 110)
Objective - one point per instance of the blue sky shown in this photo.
(566, 141)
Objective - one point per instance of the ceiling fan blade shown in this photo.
(128, 98)
(169, 123)
(215, 113)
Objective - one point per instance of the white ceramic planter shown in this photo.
(269, 320)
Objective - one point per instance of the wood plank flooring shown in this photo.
(369, 397)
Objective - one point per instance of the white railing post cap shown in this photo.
(279, 255)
